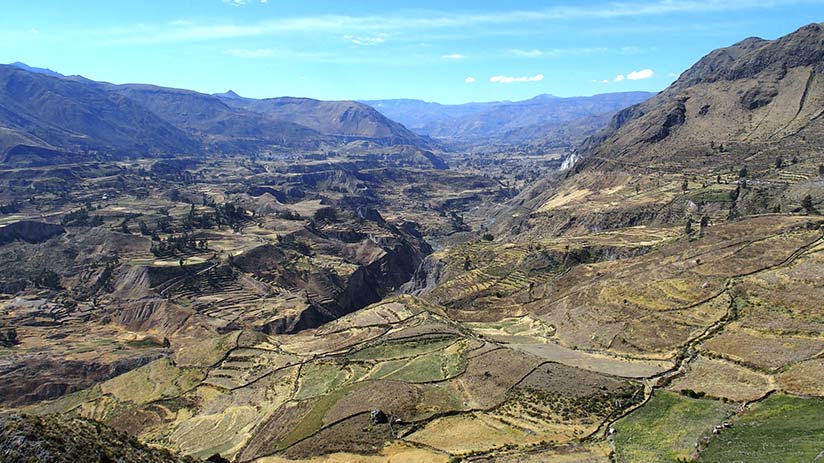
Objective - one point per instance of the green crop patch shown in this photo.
(667, 428)
(781, 428)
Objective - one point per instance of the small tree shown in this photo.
(9, 338)
(144, 229)
(807, 204)
(743, 172)
(685, 185)
(688, 226)
(779, 162)
(821, 170)
(705, 222)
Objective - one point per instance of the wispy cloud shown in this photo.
(620, 78)
(359, 27)
(470, 80)
(557, 52)
(366, 40)
(534, 53)
(510, 80)
(246, 53)
(453, 56)
(241, 2)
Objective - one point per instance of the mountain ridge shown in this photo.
(506, 121)
(47, 117)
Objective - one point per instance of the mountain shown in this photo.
(746, 103)
(46, 117)
(505, 121)
(229, 94)
(335, 118)
(41, 114)
(419, 115)
(218, 125)
(739, 133)
(44, 71)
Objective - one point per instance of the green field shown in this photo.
(782, 428)
(401, 349)
(667, 428)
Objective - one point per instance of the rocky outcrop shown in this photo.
(64, 439)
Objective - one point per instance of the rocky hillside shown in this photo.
(752, 96)
(62, 439)
(42, 114)
(738, 134)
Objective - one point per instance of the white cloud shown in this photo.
(534, 53)
(640, 75)
(453, 56)
(246, 53)
(470, 80)
(366, 40)
(509, 80)
(634, 75)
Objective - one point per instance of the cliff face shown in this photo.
(380, 267)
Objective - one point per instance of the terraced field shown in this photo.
(524, 382)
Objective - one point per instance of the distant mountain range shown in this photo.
(543, 117)
(46, 117)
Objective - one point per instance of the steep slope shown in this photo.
(751, 96)
(214, 122)
(51, 113)
(739, 133)
(336, 118)
(61, 439)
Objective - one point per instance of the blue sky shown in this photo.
(445, 51)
